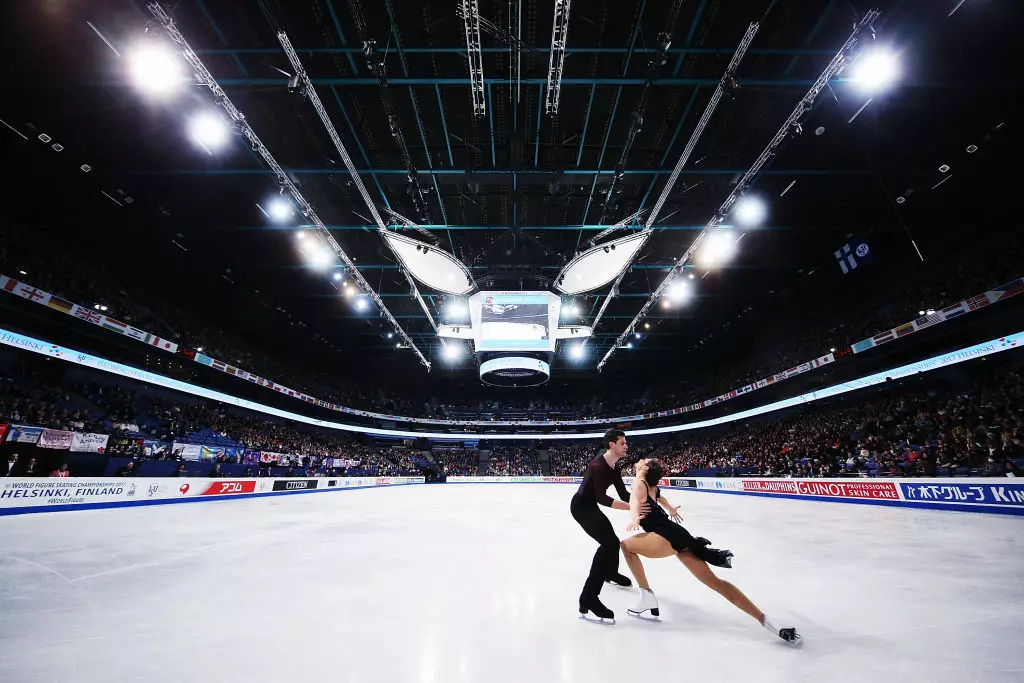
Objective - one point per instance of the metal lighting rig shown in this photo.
(204, 77)
(307, 87)
(556, 59)
(789, 128)
(727, 81)
(471, 18)
(378, 69)
(636, 122)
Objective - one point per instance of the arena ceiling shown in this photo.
(516, 192)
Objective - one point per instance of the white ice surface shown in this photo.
(444, 584)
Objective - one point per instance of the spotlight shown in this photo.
(452, 351)
(680, 291)
(103, 308)
(930, 311)
(577, 351)
(391, 335)
(156, 69)
(300, 234)
(457, 309)
(875, 70)
(362, 304)
(691, 276)
(647, 326)
(638, 335)
(629, 345)
(832, 350)
(349, 291)
(320, 256)
(750, 211)
(199, 349)
(280, 209)
(337, 277)
(575, 310)
(209, 131)
(920, 312)
(718, 249)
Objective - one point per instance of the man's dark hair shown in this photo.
(611, 436)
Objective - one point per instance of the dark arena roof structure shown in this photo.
(514, 160)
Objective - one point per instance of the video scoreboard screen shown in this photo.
(515, 321)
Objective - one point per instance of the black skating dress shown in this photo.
(657, 522)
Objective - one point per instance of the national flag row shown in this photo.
(948, 313)
(974, 303)
(36, 295)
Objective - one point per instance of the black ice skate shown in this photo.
(595, 606)
(620, 580)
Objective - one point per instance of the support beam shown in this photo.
(727, 79)
(556, 58)
(471, 21)
(314, 99)
(204, 77)
(786, 130)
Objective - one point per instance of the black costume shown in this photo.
(657, 522)
(596, 480)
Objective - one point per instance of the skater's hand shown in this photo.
(645, 507)
(634, 524)
(675, 516)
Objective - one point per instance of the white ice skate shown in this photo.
(647, 603)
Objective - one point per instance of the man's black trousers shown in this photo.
(606, 559)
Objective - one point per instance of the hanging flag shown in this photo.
(113, 325)
(163, 344)
(60, 304)
(854, 253)
(26, 291)
(135, 333)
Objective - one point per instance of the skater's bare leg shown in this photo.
(703, 572)
(636, 568)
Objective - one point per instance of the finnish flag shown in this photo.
(852, 254)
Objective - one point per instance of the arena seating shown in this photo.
(858, 315)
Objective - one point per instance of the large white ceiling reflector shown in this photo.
(600, 265)
(434, 267)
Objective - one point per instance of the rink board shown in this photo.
(1003, 496)
(55, 494)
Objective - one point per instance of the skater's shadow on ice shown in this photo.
(688, 618)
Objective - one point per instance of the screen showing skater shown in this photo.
(515, 321)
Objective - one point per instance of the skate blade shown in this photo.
(646, 615)
(597, 620)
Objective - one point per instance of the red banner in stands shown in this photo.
(770, 486)
(227, 488)
(885, 490)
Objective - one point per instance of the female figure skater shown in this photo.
(665, 537)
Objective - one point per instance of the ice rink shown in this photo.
(450, 583)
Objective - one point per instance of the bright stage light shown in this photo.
(280, 209)
(349, 291)
(320, 256)
(629, 345)
(156, 69)
(680, 291)
(875, 70)
(457, 309)
(577, 351)
(718, 249)
(362, 304)
(452, 351)
(337, 277)
(209, 131)
(750, 211)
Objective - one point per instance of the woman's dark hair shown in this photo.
(654, 473)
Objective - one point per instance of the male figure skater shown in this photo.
(601, 474)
